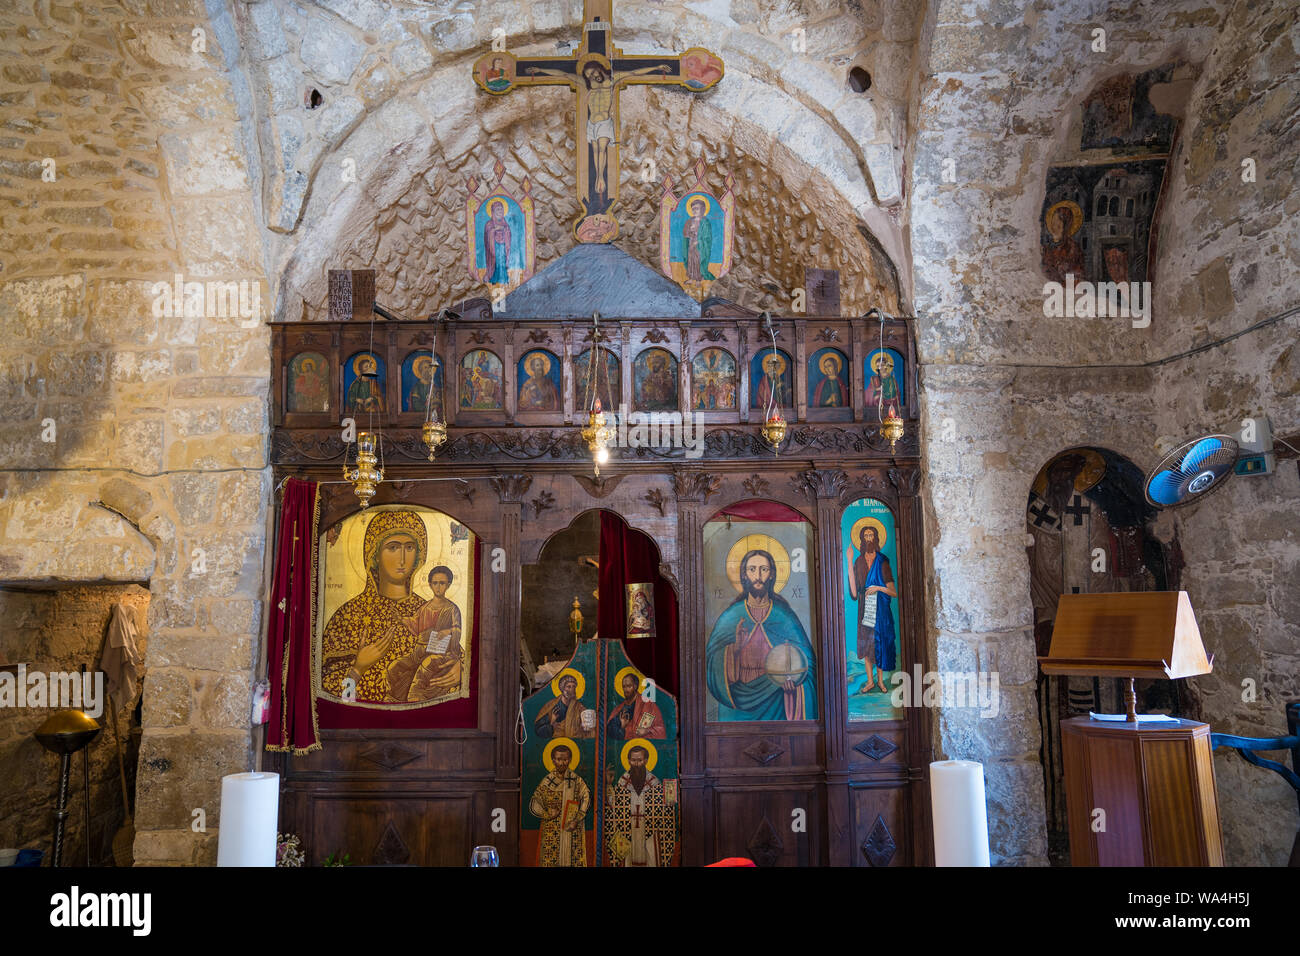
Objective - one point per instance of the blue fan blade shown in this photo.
(1164, 487)
(1197, 454)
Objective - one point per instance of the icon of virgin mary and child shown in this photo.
(389, 645)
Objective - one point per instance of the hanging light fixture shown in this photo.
(597, 433)
(774, 424)
(891, 423)
(434, 431)
(368, 472)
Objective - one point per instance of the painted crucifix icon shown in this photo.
(596, 72)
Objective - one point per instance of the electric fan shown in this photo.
(1191, 470)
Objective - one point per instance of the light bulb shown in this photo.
(602, 455)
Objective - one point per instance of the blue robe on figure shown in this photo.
(760, 698)
(882, 635)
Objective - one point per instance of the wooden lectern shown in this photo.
(1154, 781)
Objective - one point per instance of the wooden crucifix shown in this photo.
(595, 72)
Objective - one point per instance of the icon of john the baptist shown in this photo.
(391, 643)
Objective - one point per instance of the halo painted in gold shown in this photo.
(546, 361)
(693, 198)
(1076, 215)
(758, 542)
(775, 358)
(879, 359)
(577, 691)
(421, 364)
(651, 755)
(363, 357)
(855, 536)
(833, 359)
(618, 680)
(574, 754)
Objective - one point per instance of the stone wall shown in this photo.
(375, 175)
(135, 442)
(1231, 259)
(61, 631)
(1004, 387)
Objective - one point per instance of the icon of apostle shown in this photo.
(561, 801)
(642, 823)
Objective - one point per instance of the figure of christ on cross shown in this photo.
(595, 72)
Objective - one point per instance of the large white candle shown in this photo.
(961, 828)
(250, 810)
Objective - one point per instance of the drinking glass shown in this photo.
(484, 856)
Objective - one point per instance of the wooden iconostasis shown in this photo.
(790, 748)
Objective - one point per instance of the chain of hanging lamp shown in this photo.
(367, 473)
(774, 424)
(597, 433)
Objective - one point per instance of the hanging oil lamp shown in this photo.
(368, 472)
(598, 433)
(891, 423)
(775, 426)
(434, 431)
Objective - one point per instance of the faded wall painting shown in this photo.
(654, 381)
(395, 609)
(760, 657)
(871, 608)
(309, 383)
(481, 381)
(713, 381)
(608, 386)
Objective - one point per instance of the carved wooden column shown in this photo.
(907, 480)
(826, 486)
(505, 670)
(693, 490)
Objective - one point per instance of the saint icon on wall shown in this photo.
(884, 381)
(1063, 255)
(713, 381)
(309, 391)
(770, 380)
(760, 661)
(695, 234)
(561, 802)
(642, 816)
(654, 378)
(421, 383)
(640, 610)
(828, 385)
(634, 714)
(871, 608)
(363, 384)
(566, 715)
(539, 382)
(480, 381)
(403, 641)
(500, 235)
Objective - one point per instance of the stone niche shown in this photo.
(60, 629)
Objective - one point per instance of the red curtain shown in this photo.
(628, 556)
(292, 723)
(756, 510)
(461, 713)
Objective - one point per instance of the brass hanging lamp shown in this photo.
(597, 433)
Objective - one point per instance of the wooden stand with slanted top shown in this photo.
(1153, 782)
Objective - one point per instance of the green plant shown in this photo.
(338, 859)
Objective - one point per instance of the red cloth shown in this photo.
(755, 510)
(735, 861)
(454, 714)
(292, 724)
(628, 556)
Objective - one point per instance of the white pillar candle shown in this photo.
(961, 829)
(250, 811)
